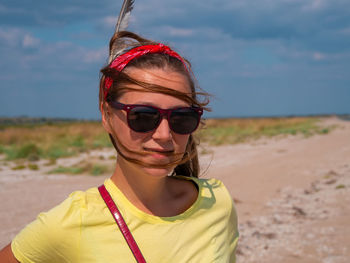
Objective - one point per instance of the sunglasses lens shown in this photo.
(143, 119)
(184, 121)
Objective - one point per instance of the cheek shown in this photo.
(181, 142)
(127, 137)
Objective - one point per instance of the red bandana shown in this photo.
(120, 62)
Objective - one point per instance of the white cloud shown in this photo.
(14, 37)
(318, 56)
(315, 5)
(345, 31)
(95, 56)
(109, 21)
(179, 32)
(10, 36)
(30, 41)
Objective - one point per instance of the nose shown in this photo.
(163, 131)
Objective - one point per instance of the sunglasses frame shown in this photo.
(163, 112)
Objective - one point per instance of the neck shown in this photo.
(145, 191)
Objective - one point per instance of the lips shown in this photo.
(158, 152)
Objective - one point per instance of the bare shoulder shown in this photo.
(6, 255)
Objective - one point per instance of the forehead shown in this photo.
(164, 78)
(161, 77)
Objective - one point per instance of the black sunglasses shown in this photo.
(145, 118)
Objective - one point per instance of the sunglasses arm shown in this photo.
(118, 106)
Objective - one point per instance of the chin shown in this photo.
(158, 172)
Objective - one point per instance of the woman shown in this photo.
(150, 109)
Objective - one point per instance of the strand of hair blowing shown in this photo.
(184, 165)
(190, 166)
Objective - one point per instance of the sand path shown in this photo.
(292, 195)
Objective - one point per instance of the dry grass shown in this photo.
(47, 132)
(51, 140)
(87, 168)
(230, 131)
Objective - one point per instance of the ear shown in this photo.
(105, 113)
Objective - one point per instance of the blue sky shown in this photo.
(257, 57)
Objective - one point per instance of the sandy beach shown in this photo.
(292, 194)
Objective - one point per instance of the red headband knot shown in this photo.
(120, 62)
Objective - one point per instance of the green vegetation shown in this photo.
(231, 131)
(66, 170)
(87, 168)
(340, 186)
(98, 169)
(51, 140)
(31, 166)
(50, 162)
(19, 167)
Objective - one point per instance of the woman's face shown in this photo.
(161, 141)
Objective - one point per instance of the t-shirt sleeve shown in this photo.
(54, 236)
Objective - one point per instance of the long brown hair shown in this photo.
(187, 164)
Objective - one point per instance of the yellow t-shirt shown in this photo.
(81, 229)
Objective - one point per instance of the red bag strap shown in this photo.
(121, 224)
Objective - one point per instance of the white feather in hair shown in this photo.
(123, 20)
(124, 15)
